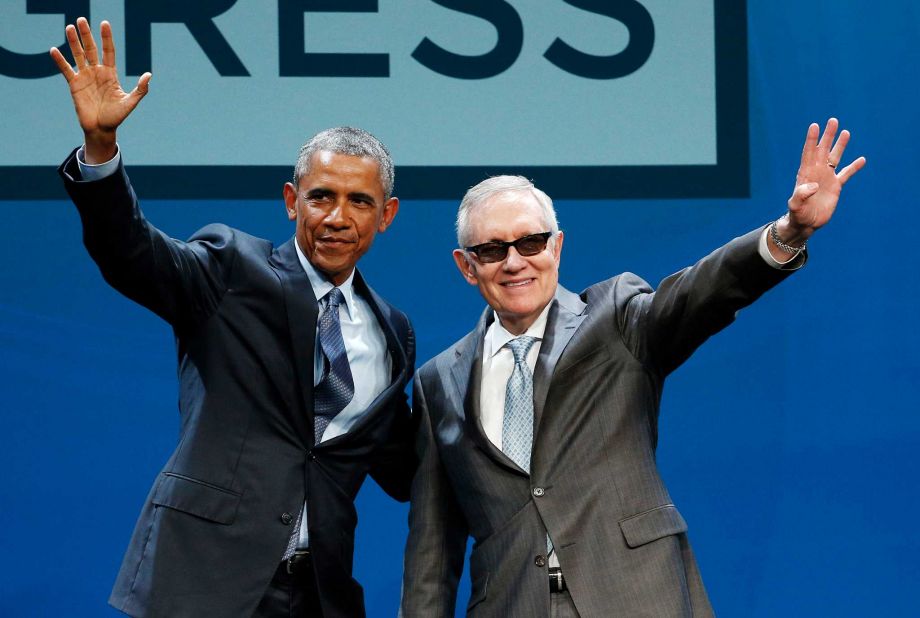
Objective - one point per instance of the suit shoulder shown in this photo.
(448, 356)
(392, 313)
(221, 231)
(395, 312)
(619, 289)
(221, 237)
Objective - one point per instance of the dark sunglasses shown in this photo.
(497, 250)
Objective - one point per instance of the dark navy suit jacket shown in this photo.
(219, 515)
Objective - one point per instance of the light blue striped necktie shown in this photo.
(517, 424)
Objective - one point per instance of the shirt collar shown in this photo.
(322, 286)
(497, 336)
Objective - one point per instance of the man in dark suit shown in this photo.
(292, 372)
(539, 428)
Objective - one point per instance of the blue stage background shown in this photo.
(790, 441)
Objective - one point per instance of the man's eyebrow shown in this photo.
(320, 192)
(507, 242)
(359, 195)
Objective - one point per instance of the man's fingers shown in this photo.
(836, 153)
(89, 43)
(108, 45)
(76, 48)
(62, 64)
(846, 173)
(827, 139)
(811, 140)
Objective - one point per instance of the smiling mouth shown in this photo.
(517, 284)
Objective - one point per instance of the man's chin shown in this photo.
(518, 314)
(332, 269)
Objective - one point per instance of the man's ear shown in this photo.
(390, 208)
(465, 266)
(557, 249)
(290, 200)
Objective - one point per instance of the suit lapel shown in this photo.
(301, 306)
(466, 372)
(565, 316)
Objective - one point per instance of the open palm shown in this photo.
(818, 183)
(99, 100)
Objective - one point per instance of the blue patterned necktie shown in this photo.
(336, 388)
(517, 424)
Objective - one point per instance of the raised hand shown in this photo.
(817, 183)
(98, 98)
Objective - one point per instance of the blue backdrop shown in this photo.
(789, 441)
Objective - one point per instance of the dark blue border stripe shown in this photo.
(265, 182)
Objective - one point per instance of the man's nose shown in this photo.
(513, 262)
(337, 215)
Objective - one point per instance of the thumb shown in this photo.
(802, 193)
(140, 91)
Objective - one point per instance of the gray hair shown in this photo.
(477, 196)
(348, 141)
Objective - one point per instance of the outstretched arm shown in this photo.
(181, 282)
(663, 328)
(817, 188)
(98, 98)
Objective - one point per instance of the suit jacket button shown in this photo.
(286, 519)
(540, 561)
(538, 491)
(310, 455)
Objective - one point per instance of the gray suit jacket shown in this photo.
(594, 485)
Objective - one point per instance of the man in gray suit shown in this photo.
(539, 428)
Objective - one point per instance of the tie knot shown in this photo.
(520, 346)
(334, 298)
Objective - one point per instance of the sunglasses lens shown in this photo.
(527, 246)
(530, 245)
(491, 252)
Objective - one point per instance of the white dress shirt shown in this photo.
(497, 365)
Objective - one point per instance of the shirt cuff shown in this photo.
(99, 171)
(793, 263)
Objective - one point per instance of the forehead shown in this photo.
(507, 216)
(343, 172)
